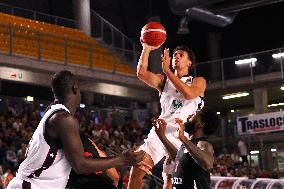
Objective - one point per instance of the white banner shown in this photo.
(260, 123)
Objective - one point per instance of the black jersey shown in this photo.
(98, 180)
(187, 174)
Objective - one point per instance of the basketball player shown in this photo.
(56, 145)
(180, 95)
(194, 158)
(98, 180)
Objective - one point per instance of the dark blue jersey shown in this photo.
(187, 173)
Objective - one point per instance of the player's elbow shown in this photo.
(188, 96)
(208, 165)
(80, 168)
(141, 74)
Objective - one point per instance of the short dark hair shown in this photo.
(190, 53)
(210, 119)
(62, 83)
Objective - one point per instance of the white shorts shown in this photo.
(155, 148)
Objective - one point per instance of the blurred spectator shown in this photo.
(243, 149)
(22, 153)
(117, 118)
(236, 156)
(11, 157)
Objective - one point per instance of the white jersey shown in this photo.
(174, 105)
(45, 165)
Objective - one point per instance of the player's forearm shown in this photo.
(143, 63)
(90, 165)
(201, 157)
(171, 149)
(183, 88)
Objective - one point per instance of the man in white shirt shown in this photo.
(243, 150)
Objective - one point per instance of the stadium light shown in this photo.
(274, 105)
(254, 152)
(278, 55)
(235, 95)
(245, 61)
(82, 105)
(30, 98)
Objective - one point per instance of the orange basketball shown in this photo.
(153, 34)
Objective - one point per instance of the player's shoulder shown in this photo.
(205, 144)
(63, 117)
(199, 79)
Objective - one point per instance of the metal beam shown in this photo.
(51, 67)
(33, 72)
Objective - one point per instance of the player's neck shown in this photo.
(196, 135)
(181, 73)
(68, 104)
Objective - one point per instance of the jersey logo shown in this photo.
(176, 104)
(176, 180)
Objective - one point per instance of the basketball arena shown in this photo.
(123, 62)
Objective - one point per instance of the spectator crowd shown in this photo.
(113, 133)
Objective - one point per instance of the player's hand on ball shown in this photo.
(160, 127)
(166, 61)
(148, 47)
(130, 157)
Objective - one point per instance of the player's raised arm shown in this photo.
(151, 79)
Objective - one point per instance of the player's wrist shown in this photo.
(167, 71)
(146, 49)
(120, 160)
(182, 138)
(163, 137)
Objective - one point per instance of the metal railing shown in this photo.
(39, 16)
(226, 69)
(114, 38)
(22, 41)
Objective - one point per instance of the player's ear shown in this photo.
(189, 63)
(75, 89)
